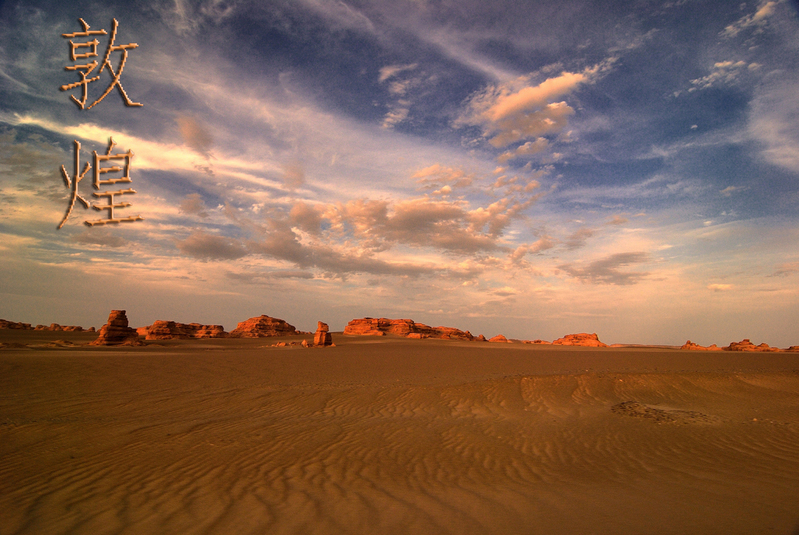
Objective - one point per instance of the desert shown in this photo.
(392, 434)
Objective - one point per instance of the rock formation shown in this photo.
(322, 337)
(537, 341)
(5, 324)
(696, 347)
(746, 345)
(171, 330)
(116, 331)
(499, 338)
(262, 327)
(403, 327)
(580, 339)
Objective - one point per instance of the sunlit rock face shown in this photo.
(403, 327)
(171, 330)
(262, 327)
(322, 336)
(116, 331)
(580, 339)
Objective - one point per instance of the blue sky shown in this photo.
(525, 168)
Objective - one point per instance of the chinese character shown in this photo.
(88, 68)
(98, 171)
(73, 183)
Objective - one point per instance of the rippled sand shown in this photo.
(388, 435)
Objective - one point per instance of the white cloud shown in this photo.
(724, 72)
(389, 71)
(774, 123)
(516, 110)
(757, 20)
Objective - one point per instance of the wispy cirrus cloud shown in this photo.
(608, 270)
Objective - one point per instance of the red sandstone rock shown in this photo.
(57, 327)
(746, 345)
(480, 338)
(580, 339)
(117, 332)
(403, 327)
(5, 324)
(499, 338)
(322, 337)
(205, 331)
(537, 342)
(696, 347)
(171, 330)
(262, 327)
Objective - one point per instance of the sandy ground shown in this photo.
(390, 435)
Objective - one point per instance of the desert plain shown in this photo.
(382, 435)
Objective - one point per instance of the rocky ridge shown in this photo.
(579, 339)
(403, 327)
(171, 330)
(262, 327)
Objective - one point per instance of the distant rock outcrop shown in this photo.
(580, 339)
(499, 338)
(57, 327)
(746, 345)
(171, 330)
(696, 347)
(116, 331)
(5, 324)
(262, 327)
(537, 341)
(322, 337)
(403, 327)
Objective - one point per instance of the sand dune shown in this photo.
(396, 436)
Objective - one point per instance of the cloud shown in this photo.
(399, 110)
(774, 123)
(542, 244)
(193, 204)
(437, 175)
(253, 278)
(293, 175)
(529, 148)
(195, 135)
(340, 14)
(102, 237)
(757, 20)
(390, 71)
(725, 72)
(283, 243)
(206, 246)
(506, 291)
(729, 190)
(617, 220)
(783, 270)
(607, 270)
(578, 238)
(719, 287)
(516, 110)
(187, 16)
(396, 114)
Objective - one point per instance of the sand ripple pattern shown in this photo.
(593, 453)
